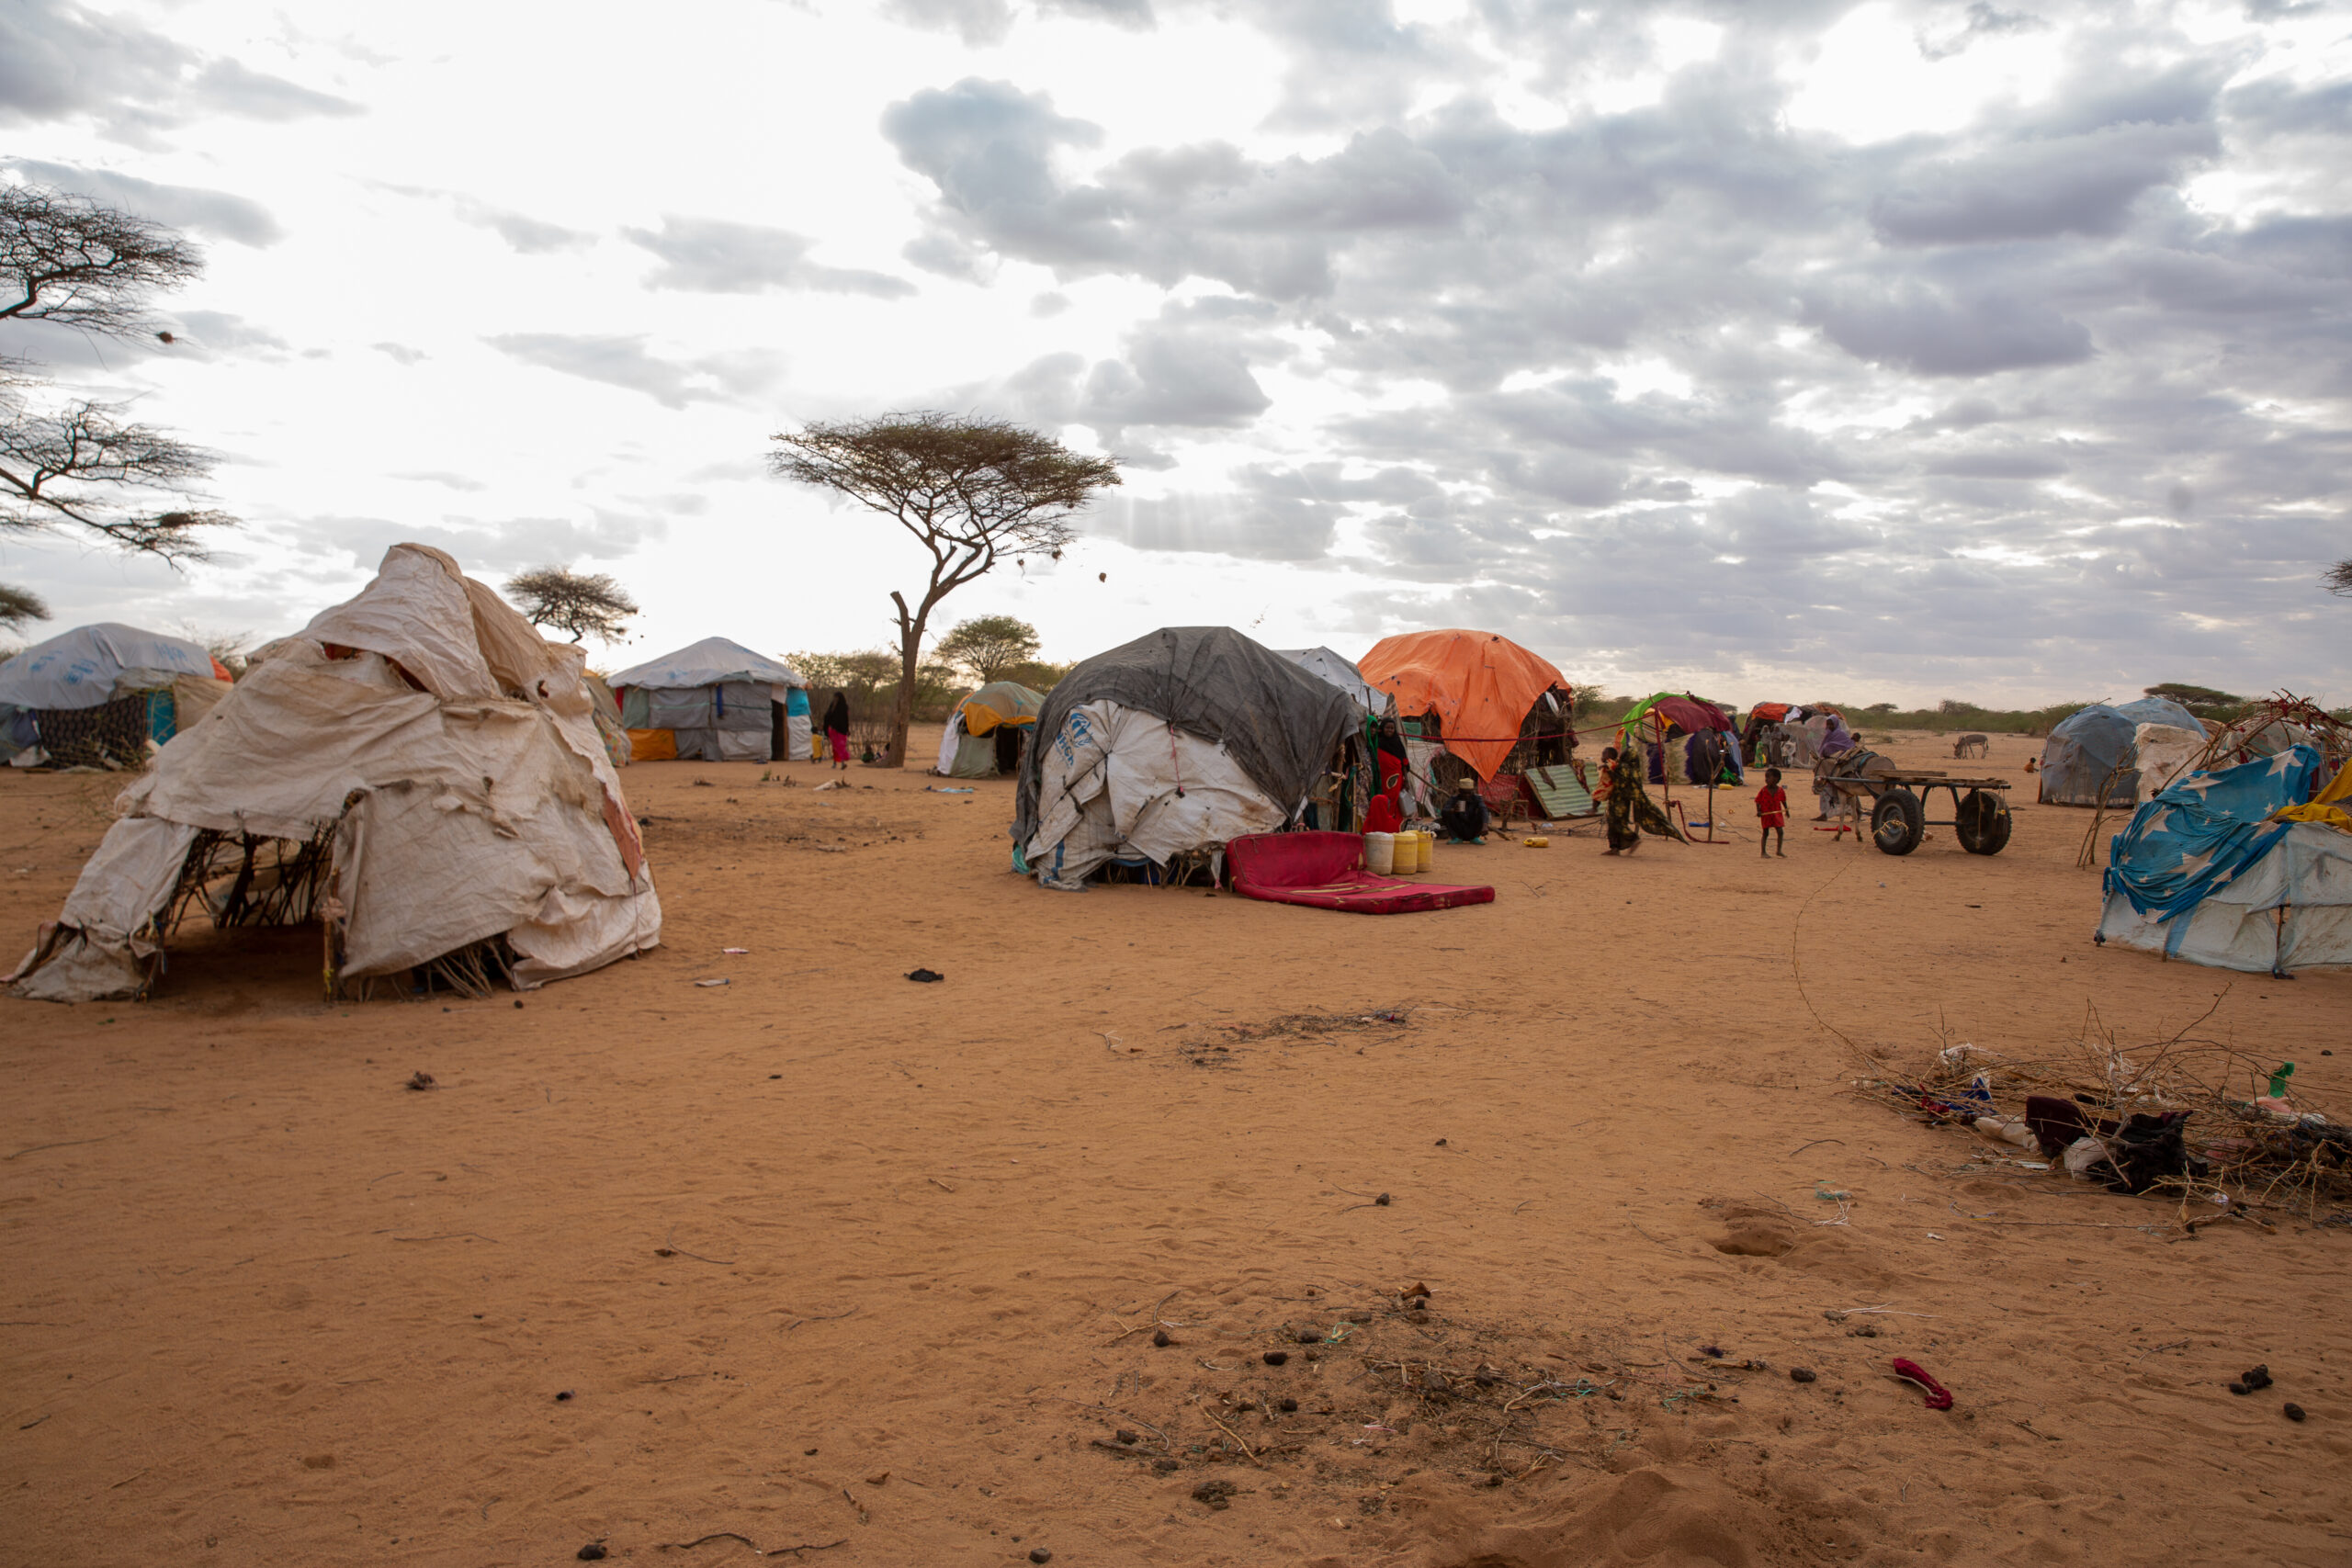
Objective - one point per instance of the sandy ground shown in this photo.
(825, 1257)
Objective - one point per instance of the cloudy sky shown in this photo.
(1775, 348)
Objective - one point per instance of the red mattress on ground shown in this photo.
(1321, 870)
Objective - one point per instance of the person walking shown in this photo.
(837, 730)
(1772, 814)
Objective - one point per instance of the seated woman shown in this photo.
(1382, 814)
(1464, 816)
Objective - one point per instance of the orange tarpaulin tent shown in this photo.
(1479, 685)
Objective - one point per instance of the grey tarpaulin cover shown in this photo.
(1274, 719)
(2088, 748)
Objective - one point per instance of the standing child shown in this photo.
(1772, 814)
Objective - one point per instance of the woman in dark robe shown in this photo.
(1391, 765)
(1632, 812)
(837, 728)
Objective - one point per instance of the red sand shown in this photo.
(823, 1256)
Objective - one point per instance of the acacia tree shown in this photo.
(986, 646)
(970, 491)
(18, 606)
(75, 462)
(586, 603)
(2338, 578)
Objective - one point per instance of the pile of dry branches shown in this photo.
(2272, 725)
(2260, 1154)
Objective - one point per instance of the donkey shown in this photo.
(1969, 746)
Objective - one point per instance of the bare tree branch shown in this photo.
(969, 490)
(583, 604)
(64, 466)
(2338, 578)
(67, 259)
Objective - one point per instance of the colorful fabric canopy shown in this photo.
(1693, 715)
(1480, 686)
(1000, 703)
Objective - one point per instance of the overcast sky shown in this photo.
(1776, 349)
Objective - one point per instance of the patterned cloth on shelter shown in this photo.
(2202, 833)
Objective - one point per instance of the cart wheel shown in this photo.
(1984, 821)
(1897, 822)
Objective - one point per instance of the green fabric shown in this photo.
(975, 758)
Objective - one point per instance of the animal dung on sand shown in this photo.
(925, 977)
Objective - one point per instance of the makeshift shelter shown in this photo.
(1325, 665)
(417, 768)
(609, 728)
(1481, 687)
(2243, 868)
(717, 701)
(1159, 751)
(983, 736)
(2091, 755)
(95, 696)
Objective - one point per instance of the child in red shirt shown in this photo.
(1772, 813)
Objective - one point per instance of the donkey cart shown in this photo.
(1898, 812)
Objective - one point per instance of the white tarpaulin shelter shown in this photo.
(1167, 746)
(98, 663)
(150, 685)
(1340, 672)
(1108, 791)
(2291, 909)
(437, 752)
(714, 697)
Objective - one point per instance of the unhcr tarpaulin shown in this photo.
(1480, 686)
(483, 804)
(2208, 872)
(97, 663)
(97, 695)
(1172, 743)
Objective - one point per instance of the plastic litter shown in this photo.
(1939, 1396)
(708, 983)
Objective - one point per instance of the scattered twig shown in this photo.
(941, 1185)
(1247, 1452)
(771, 1551)
(68, 1144)
(670, 1246)
(828, 1317)
(451, 1236)
(2168, 1345)
(1802, 1147)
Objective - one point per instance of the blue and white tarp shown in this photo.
(95, 664)
(2203, 874)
